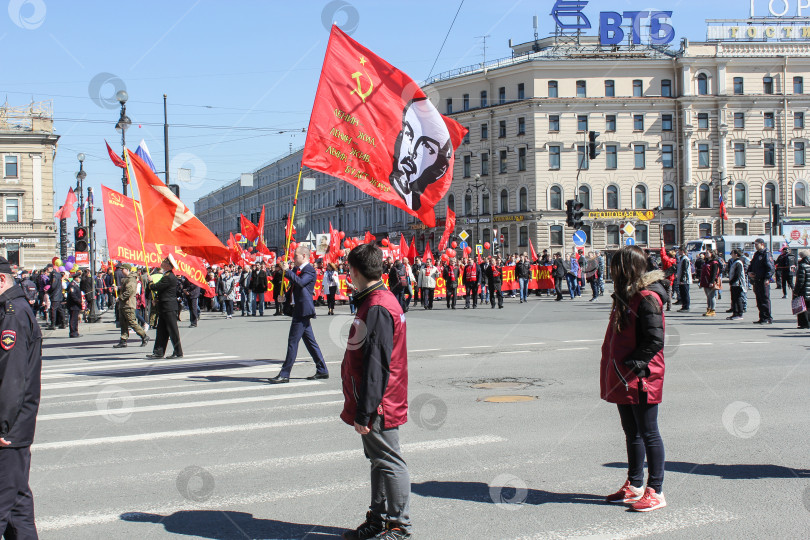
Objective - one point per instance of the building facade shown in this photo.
(27, 150)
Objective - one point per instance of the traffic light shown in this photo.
(776, 220)
(81, 237)
(569, 212)
(592, 151)
(577, 215)
(175, 188)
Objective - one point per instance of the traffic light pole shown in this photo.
(92, 249)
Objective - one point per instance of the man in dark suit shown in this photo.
(57, 296)
(192, 294)
(166, 291)
(302, 279)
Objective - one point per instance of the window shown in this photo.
(468, 205)
(641, 197)
(554, 122)
(612, 201)
(505, 234)
(704, 196)
(484, 132)
(485, 164)
(556, 235)
(739, 120)
(611, 156)
(582, 122)
(610, 88)
(770, 193)
(502, 129)
(521, 91)
(638, 89)
(587, 230)
(668, 197)
(666, 122)
(12, 210)
(741, 229)
(582, 89)
(521, 126)
(467, 166)
(666, 88)
(769, 120)
(798, 120)
(740, 199)
(585, 196)
(669, 235)
(13, 253)
(552, 89)
(738, 86)
(798, 154)
(799, 195)
(554, 158)
(638, 122)
(467, 137)
(555, 198)
(523, 237)
(486, 235)
(501, 95)
(639, 156)
(704, 230)
(504, 201)
(613, 235)
(703, 84)
(451, 202)
(667, 156)
(798, 85)
(703, 120)
(11, 170)
(483, 98)
(582, 157)
(523, 199)
(641, 234)
(449, 105)
(770, 154)
(610, 122)
(485, 202)
(767, 85)
(704, 157)
(739, 154)
(522, 158)
(502, 162)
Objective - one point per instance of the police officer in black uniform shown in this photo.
(167, 308)
(74, 304)
(20, 372)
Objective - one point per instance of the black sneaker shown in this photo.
(373, 526)
(393, 531)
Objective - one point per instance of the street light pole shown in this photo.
(121, 127)
(477, 186)
(80, 176)
(92, 248)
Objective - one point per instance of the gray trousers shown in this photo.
(390, 481)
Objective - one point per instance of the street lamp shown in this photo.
(477, 186)
(340, 204)
(80, 176)
(121, 127)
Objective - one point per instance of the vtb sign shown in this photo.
(569, 15)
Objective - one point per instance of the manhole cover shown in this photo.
(501, 385)
(509, 399)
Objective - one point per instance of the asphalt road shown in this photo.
(205, 448)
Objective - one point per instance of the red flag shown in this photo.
(287, 228)
(403, 247)
(67, 208)
(369, 238)
(168, 221)
(373, 127)
(533, 252)
(260, 226)
(116, 159)
(723, 210)
(449, 227)
(249, 230)
(428, 253)
(233, 248)
(261, 248)
(413, 254)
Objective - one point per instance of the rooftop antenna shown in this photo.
(536, 36)
(752, 8)
(484, 65)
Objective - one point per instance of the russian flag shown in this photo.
(723, 211)
(143, 153)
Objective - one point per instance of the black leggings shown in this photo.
(330, 297)
(640, 424)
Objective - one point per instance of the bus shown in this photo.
(724, 244)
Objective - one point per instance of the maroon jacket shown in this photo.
(375, 365)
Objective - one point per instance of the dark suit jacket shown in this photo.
(303, 287)
(166, 290)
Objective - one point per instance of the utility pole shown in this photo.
(165, 141)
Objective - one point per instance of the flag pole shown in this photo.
(135, 208)
(290, 226)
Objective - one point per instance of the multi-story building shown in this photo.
(27, 150)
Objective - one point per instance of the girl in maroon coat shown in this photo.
(632, 373)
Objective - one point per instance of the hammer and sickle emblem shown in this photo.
(359, 91)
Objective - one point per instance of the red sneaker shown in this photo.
(628, 494)
(650, 501)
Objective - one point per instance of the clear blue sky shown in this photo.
(242, 71)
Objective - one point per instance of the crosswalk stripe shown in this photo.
(48, 368)
(138, 366)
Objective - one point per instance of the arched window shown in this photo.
(702, 84)
(669, 235)
(555, 198)
(585, 197)
(704, 196)
(451, 202)
(704, 230)
(612, 199)
(800, 194)
(486, 234)
(485, 202)
(641, 197)
(504, 201)
(740, 198)
(641, 234)
(523, 237)
(668, 199)
(524, 200)
(770, 193)
(741, 229)
(468, 205)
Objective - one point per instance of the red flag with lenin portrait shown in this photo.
(373, 127)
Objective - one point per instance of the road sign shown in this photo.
(464, 235)
(629, 230)
(311, 237)
(580, 238)
(463, 246)
(630, 241)
(479, 249)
